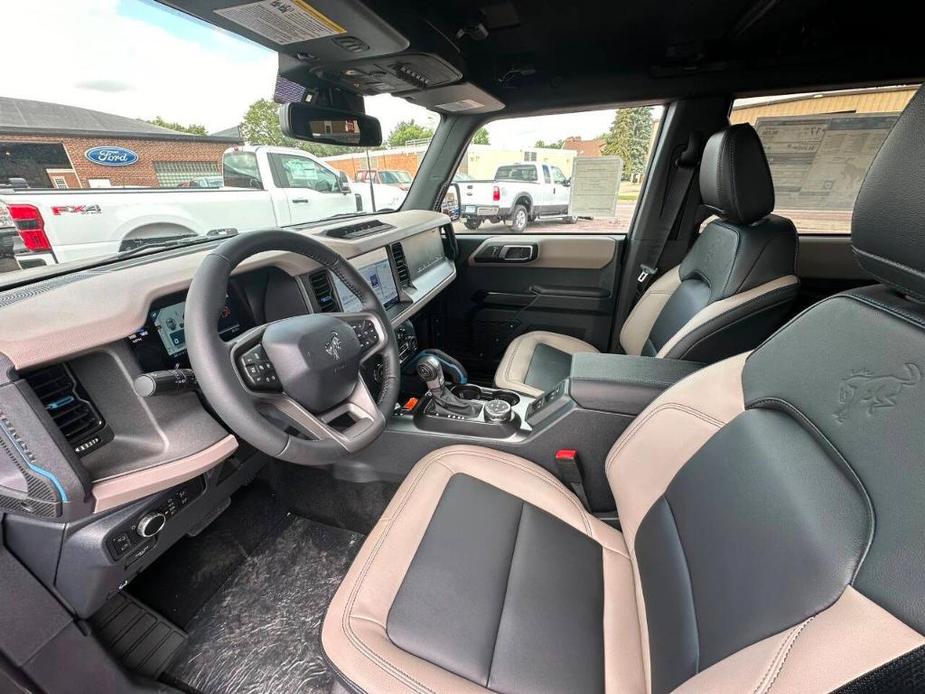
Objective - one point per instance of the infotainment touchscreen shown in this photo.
(377, 271)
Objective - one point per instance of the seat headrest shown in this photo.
(735, 180)
(888, 226)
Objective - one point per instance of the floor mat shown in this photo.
(261, 631)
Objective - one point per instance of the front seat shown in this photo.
(734, 287)
(771, 512)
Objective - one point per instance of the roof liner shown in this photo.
(538, 56)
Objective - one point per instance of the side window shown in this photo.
(301, 172)
(594, 159)
(819, 147)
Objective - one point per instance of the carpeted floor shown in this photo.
(261, 631)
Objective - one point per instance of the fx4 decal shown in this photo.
(75, 209)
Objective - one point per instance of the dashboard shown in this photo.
(80, 449)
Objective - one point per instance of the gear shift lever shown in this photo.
(430, 371)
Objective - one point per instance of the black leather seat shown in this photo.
(771, 512)
(732, 290)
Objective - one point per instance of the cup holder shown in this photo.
(508, 396)
(472, 392)
(467, 392)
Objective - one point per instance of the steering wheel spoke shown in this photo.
(347, 424)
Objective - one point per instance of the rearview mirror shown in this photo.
(329, 126)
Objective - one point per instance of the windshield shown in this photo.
(168, 135)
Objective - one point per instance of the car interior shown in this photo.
(400, 458)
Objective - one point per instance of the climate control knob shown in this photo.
(498, 411)
(151, 524)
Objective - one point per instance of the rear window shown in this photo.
(515, 173)
(239, 170)
(820, 147)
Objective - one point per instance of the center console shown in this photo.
(585, 412)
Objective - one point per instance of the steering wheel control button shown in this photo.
(151, 524)
(498, 411)
(257, 369)
(366, 334)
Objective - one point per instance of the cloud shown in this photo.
(111, 86)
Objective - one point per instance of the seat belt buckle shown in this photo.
(647, 272)
(569, 470)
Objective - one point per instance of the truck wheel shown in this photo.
(473, 224)
(519, 218)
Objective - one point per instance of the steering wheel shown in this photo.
(292, 388)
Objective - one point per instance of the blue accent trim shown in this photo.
(461, 378)
(35, 468)
(54, 480)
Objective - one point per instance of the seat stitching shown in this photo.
(775, 661)
(347, 627)
(638, 424)
(787, 654)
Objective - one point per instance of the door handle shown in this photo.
(517, 253)
(297, 201)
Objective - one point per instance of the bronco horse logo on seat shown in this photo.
(863, 390)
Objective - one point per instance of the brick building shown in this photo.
(59, 146)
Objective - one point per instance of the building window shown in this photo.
(186, 174)
(529, 156)
(59, 182)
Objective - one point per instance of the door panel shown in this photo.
(561, 283)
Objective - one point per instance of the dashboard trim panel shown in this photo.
(136, 485)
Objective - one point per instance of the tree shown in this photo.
(628, 138)
(549, 145)
(408, 130)
(193, 128)
(261, 127)
(481, 137)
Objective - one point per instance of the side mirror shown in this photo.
(329, 126)
(568, 182)
(450, 205)
(343, 182)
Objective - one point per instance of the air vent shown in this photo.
(70, 407)
(401, 265)
(321, 286)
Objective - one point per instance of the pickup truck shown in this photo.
(263, 187)
(520, 193)
(389, 177)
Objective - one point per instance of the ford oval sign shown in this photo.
(111, 156)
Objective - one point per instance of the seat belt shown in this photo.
(679, 186)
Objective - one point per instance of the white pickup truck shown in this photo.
(519, 193)
(263, 187)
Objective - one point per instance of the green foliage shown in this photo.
(261, 127)
(481, 137)
(629, 138)
(549, 145)
(193, 128)
(408, 130)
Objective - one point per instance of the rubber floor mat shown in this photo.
(261, 631)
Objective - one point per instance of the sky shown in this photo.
(139, 59)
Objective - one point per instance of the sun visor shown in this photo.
(314, 31)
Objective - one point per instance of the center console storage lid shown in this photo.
(622, 383)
